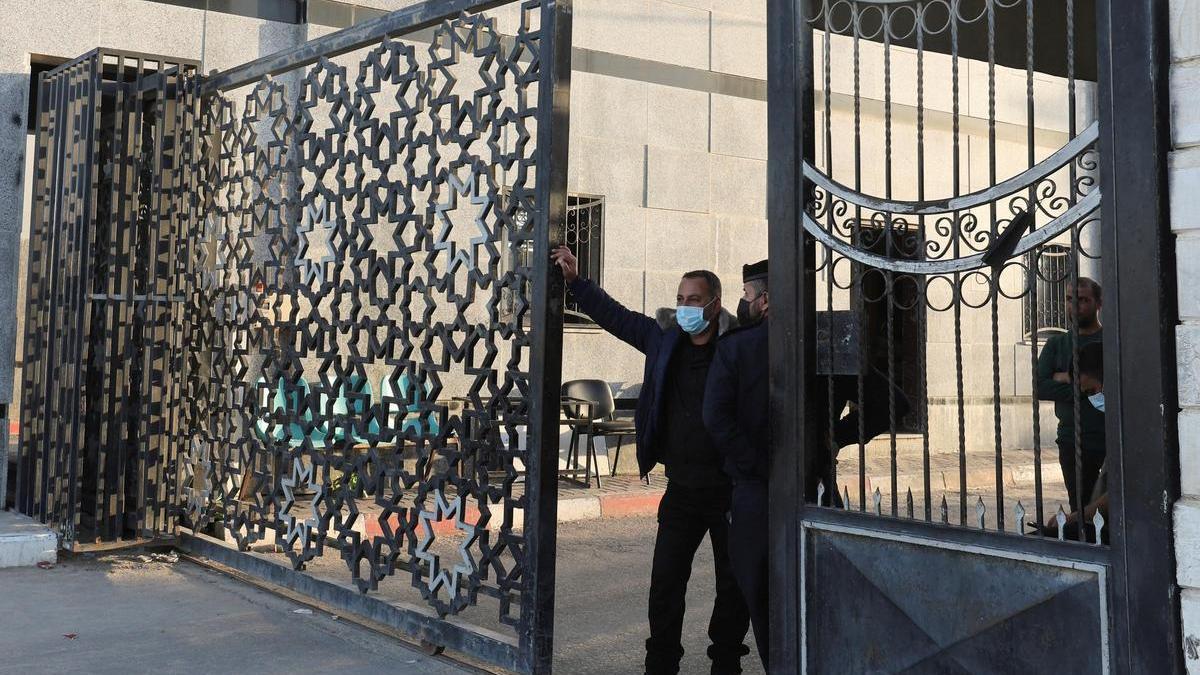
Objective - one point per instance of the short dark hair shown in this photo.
(1091, 361)
(1090, 284)
(713, 281)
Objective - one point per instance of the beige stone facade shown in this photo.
(1185, 204)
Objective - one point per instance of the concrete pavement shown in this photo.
(122, 614)
(130, 615)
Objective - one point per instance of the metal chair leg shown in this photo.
(591, 457)
(587, 458)
(573, 454)
(616, 456)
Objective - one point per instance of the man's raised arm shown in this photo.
(625, 324)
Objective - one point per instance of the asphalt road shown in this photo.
(128, 615)
(602, 587)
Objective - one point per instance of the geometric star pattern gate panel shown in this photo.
(355, 384)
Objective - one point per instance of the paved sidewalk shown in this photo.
(122, 614)
(24, 541)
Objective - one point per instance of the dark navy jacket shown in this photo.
(737, 408)
(647, 336)
(736, 402)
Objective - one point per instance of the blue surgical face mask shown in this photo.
(691, 319)
(1097, 400)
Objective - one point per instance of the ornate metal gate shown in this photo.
(940, 168)
(314, 319)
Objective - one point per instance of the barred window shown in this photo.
(585, 237)
(1052, 266)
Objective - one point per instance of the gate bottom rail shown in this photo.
(411, 620)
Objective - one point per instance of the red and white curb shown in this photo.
(575, 509)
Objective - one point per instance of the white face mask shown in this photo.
(691, 319)
(1097, 400)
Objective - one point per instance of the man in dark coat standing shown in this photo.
(670, 430)
(735, 412)
(736, 409)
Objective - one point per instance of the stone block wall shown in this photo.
(58, 29)
(1185, 205)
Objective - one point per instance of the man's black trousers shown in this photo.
(685, 515)
(748, 538)
(1093, 459)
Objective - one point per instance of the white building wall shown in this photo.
(683, 173)
(682, 169)
(1185, 205)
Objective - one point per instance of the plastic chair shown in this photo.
(278, 401)
(411, 417)
(352, 404)
(588, 408)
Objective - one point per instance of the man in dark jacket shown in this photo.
(736, 408)
(670, 430)
(1055, 383)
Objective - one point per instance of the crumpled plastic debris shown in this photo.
(45, 565)
(126, 561)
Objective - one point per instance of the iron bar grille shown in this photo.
(1052, 266)
(953, 204)
(585, 237)
(285, 325)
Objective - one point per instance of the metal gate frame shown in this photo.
(88, 462)
(159, 176)
(532, 651)
(1139, 255)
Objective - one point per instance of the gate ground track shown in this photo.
(458, 659)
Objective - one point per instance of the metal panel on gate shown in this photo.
(935, 175)
(879, 602)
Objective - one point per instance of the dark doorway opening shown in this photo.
(892, 314)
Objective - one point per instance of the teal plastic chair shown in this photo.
(269, 401)
(270, 404)
(320, 432)
(354, 402)
(425, 425)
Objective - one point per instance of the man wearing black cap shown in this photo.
(670, 431)
(735, 412)
(736, 409)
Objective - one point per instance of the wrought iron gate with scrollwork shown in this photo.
(938, 164)
(322, 340)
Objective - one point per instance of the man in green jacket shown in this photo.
(1056, 383)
